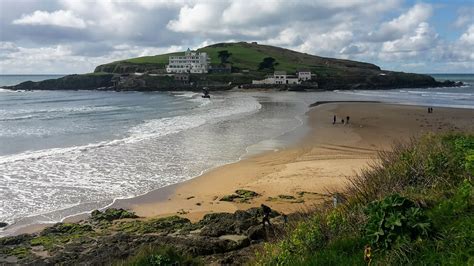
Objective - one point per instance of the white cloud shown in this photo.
(399, 26)
(423, 38)
(389, 33)
(468, 37)
(200, 17)
(61, 59)
(60, 18)
(465, 16)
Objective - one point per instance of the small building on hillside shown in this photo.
(304, 74)
(279, 78)
(191, 62)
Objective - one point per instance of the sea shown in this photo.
(64, 153)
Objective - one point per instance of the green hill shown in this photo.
(245, 59)
(244, 56)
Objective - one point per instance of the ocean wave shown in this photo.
(18, 118)
(154, 128)
(63, 110)
(186, 94)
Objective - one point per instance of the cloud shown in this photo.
(59, 18)
(422, 39)
(391, 33)
(399, 26)
(465, 16)
(66, 59)
(468, 37)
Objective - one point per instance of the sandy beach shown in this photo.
(306, 173)
(296, 178)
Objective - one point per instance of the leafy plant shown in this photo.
(394, 220)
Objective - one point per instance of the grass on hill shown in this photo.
(415, 207)
(246, 56)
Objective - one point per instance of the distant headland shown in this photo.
(244, 65)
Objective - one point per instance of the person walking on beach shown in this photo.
(342, 121)
(334, 120)
(347, 119)
(266, 215)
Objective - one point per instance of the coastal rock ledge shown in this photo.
(112, 236)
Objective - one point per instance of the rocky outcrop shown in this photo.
(219, 237)
(70, 82)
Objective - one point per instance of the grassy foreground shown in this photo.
(413, 207)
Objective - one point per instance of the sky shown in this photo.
(74, 36)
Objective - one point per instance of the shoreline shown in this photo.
(194, 198)
(183, 198)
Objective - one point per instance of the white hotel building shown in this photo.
(191, 62)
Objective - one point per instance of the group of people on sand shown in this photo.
(342, 120)
(430, 110)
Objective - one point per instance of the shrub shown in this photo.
(393, 221)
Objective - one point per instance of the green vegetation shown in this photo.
(224, 56)
(268, 63)
(19, 252)
(160, 256)
(60, 234)
(415, 207)
(394, 221)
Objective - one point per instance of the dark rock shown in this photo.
(70, 82)
(256, 232)
(112, 214)
(2, 224)
(15, 240)
(224, 236)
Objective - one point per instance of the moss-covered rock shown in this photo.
(286, 197)
(241, 195)
(166, 224)
(67, 228)
(112, 214)
(19, 252)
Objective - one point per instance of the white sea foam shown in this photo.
(149, 129)
(44, 182)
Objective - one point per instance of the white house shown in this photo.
(279, 77)
(191, 62)
(304, 74)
